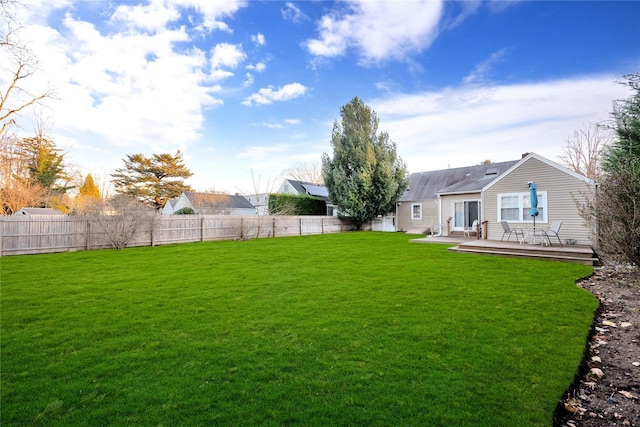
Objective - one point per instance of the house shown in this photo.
(418, 208)
(499, 191)
(260, 201)
(38, 212)
(290, 186)
(210, 204)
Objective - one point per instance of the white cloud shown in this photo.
(226, 55)
(153, 16)
(210, 11)
(282, 125)
(258, 39)
(248, 81)
(502, 5)
(273, 125)
(467, 9)
(269, 95)
(465, 125)
(480, 72)
(292, 13)
(378, 30)
(260, 152)
(129, 89)
(259, 67)
(156, 14)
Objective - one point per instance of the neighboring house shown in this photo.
(260, 201)
(210, 204)
(170, 207)
(319, 191)
(38, 212)
(502, 193)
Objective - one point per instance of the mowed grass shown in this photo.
(347, 329)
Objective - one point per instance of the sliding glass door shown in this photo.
(464, 213)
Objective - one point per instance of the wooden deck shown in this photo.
(573, 253)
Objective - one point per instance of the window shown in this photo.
(416, 211)
(514, 207)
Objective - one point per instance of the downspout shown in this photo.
(439, 202)
(395, 218)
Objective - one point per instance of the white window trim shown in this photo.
(420, 206)
(542, 202)
(453, 212)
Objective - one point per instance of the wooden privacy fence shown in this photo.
(19, 236)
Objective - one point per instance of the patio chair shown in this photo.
(473, 229)
(553, 232)
(508, 231)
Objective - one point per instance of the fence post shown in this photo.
(300, 225)
(87, 234)
(273, 226)
(321, 225)
(202, 229)
(1, 234)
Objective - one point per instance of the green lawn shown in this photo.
(345, 329)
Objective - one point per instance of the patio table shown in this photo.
(537, 237)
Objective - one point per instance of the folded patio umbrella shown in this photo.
(533, 203)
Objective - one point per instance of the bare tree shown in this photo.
(614, 214)
(88, 206)
(122, 219)
(581, 152)
(103, 181)
(19, 65)
(11, 160)
(209, 203)
(306, 172)
(12, 194)
(258, 194)
(19, 195)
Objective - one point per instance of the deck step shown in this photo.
(576, 254)
(569, 253)
(580, 259)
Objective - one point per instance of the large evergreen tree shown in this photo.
(44, 161)
(152, 180)
(626, 125)
(89, 188)
(42, 166)
(617, 206)
(365, 176)
(88, 201)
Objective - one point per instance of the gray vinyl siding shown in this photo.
(563, 191)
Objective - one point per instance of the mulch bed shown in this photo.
(606, 392)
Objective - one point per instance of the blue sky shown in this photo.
(254, 86)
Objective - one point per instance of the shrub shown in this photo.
(184, 211)
(289, 204)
